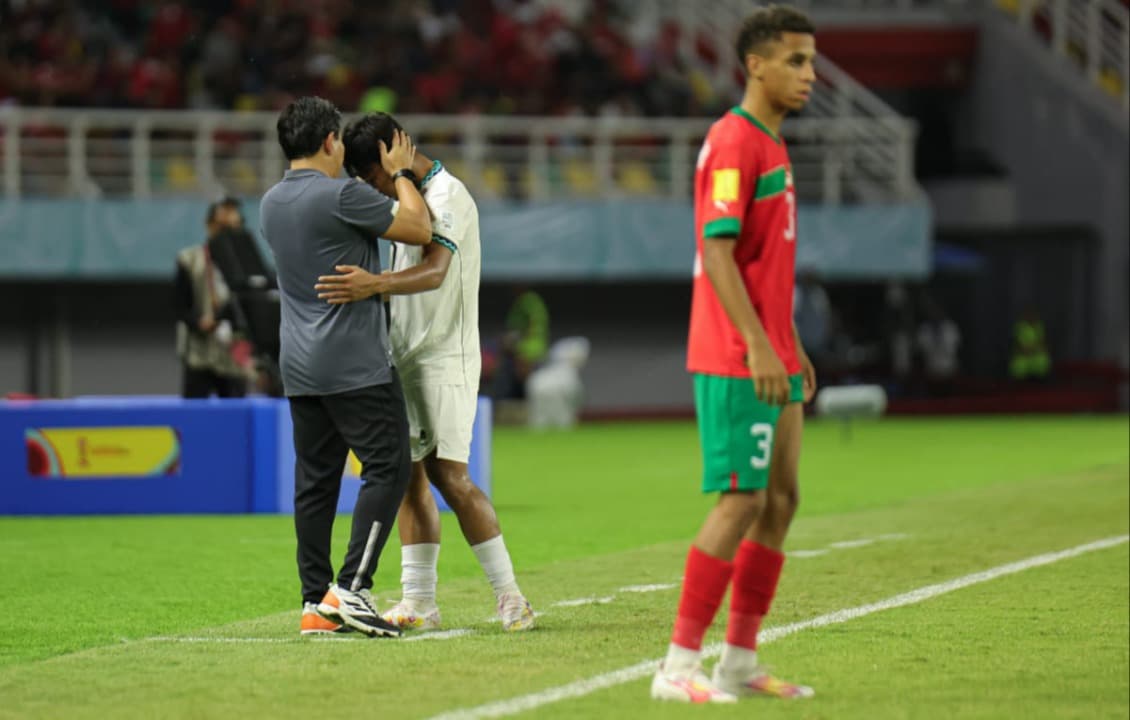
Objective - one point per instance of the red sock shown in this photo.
(756, 572)
(704, 584)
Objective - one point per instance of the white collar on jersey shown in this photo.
(432, 172)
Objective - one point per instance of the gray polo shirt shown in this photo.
(312, 223)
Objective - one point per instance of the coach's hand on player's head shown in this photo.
(770, 381)
(400, 155)
(351, 285)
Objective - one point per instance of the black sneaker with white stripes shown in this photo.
(355, 610)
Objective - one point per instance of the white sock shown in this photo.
(418, 574)
(738, 661)
(680, 659)
(495, 561)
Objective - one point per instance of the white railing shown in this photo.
(111, 153)
(1092, 35)
(882, 141)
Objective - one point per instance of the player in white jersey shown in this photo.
(434, 337)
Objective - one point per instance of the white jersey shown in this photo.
(435, 334)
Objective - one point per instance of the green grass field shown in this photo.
(196, 617)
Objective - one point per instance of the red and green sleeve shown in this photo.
(730, 174)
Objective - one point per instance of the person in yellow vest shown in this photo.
(525, 344)
(1030, 359)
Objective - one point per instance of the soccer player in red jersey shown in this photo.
(750, 372)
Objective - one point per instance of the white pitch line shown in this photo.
(807, 553)
(848, 544)
(238, 641)
(647, 588)
(532, 701)
(537, 614)
(576, 602)
(439, 635)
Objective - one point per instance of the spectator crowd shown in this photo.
(407, 56)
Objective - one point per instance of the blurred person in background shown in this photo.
(937, 340)
(898, 333)
(1030, 359)
(524, 344)
(214, 356)
(337, 374)
(751, 373)
(434, 337)
(812, 313)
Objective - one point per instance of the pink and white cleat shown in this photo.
(515, 612)
(407, 616)
(761, 683)
(689, 687)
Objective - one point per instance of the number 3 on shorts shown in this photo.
(764, 434)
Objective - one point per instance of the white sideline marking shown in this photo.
(497, 619)
(522, 703)
(585, 601)
(173, 639)
(439, 635)
(647, 588)
(846, 545)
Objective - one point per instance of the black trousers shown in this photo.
(373, 423)
(201, 383)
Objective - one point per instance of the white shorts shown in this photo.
(440, 417)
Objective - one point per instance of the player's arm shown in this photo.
(354, 283)
(806, 367)
(377, 215)
(411, 225)
(768, 372)
(731, 173)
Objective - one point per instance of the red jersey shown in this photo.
(743, 187)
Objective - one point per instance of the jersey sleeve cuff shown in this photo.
(441, 240)
(722, 227)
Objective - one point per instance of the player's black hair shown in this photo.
(304, 124)
(224, 202)
(362, 140)
(766, 24)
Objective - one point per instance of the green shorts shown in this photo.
(736, 431)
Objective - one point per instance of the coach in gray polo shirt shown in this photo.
(342, 388)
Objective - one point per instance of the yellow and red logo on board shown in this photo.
(98, 452)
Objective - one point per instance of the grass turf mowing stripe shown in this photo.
(532, 701)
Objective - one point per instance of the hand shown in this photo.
(223, 332)
(206, 324)
(770, 381)
(351, 285)
(809, 372)
(400, 156)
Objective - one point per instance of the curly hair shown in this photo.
(765, 25)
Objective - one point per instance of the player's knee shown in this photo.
(456, 487)
(785, 498)
(741, 509)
